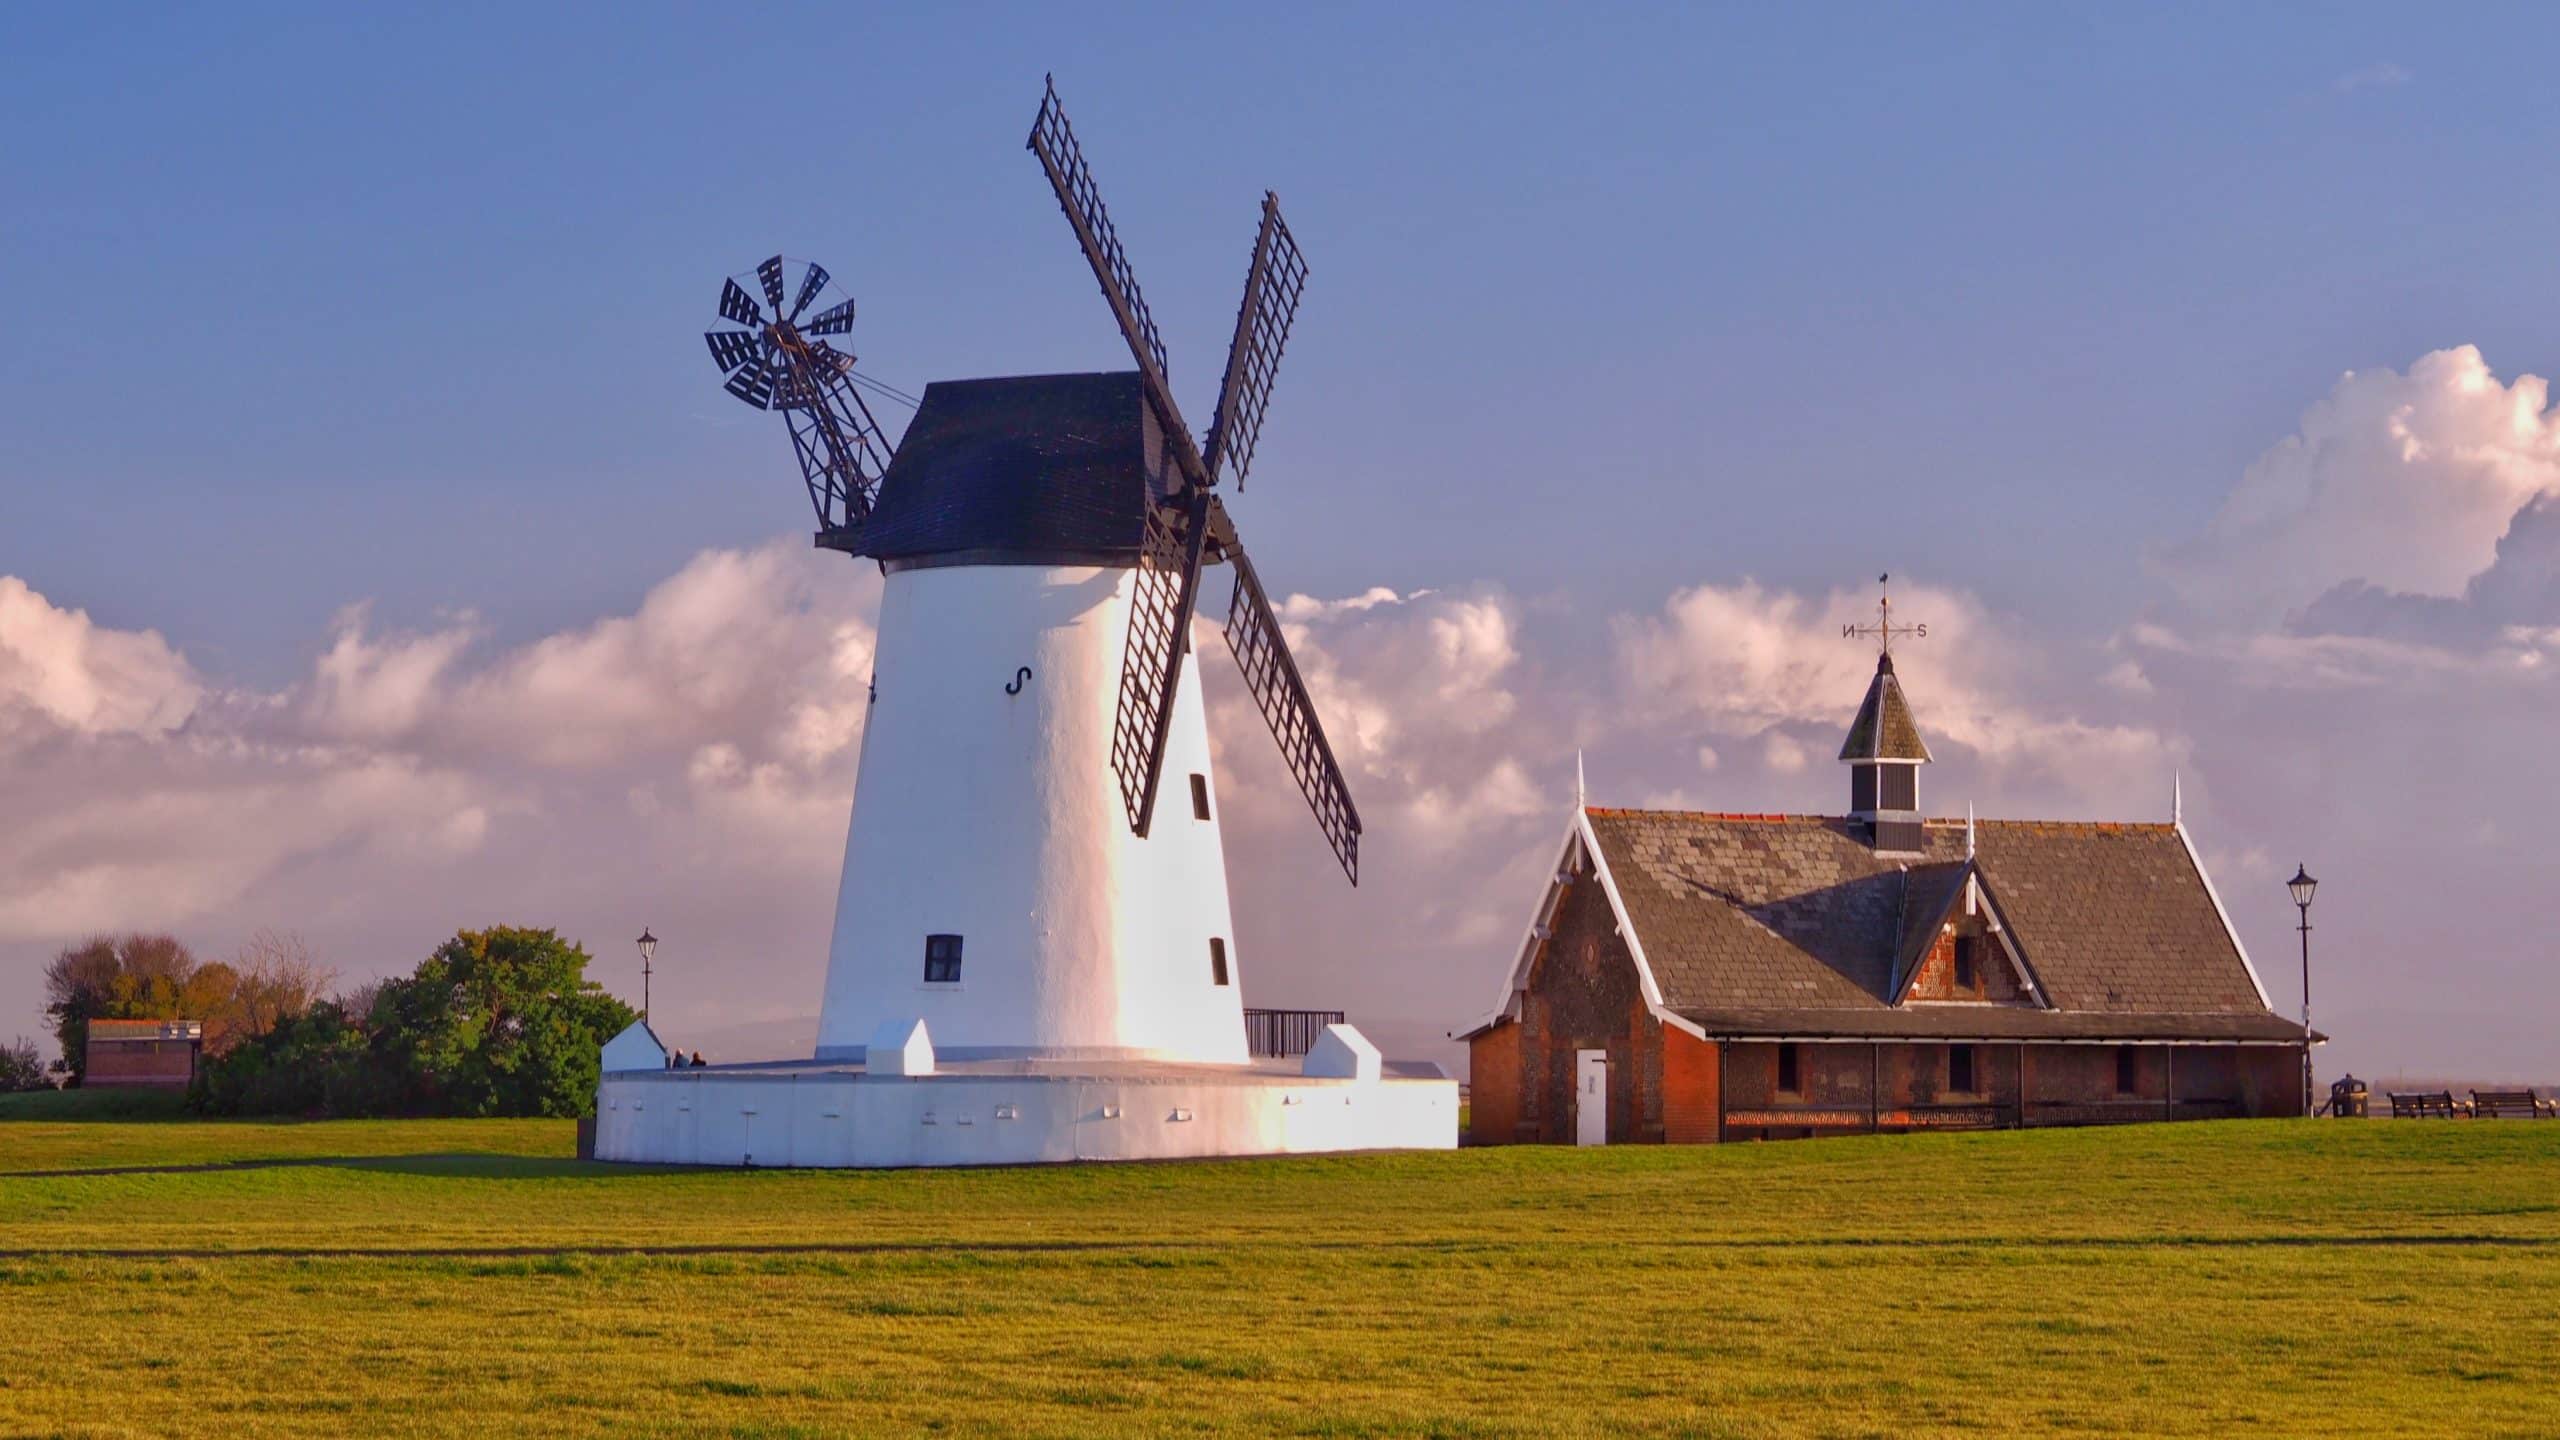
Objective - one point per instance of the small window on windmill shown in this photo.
(1217, 961)
(1960, 1069)
(1965, 976)
(942, 959)
(1199, 797)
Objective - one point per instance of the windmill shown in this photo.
(1032, 953)
(1017, 873)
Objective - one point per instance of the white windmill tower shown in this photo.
(1033, 869)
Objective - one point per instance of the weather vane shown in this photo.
(1884, 629)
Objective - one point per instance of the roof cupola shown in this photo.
(1884, 751)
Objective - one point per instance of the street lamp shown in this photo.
(649, 948)
(2302, 886)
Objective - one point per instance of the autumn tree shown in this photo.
(126, 977)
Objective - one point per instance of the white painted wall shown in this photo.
(996, 817)
(728, 1117)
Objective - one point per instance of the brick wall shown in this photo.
(1689, 1088)
(139, 1062)
(1995, 979)
(1493, 1086)
(1583, 994)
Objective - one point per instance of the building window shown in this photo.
(1960, 1069)
(1199, 797)
(1217, 961)
(2128, 1070)
(942, 959)
(1965, 977)
(1790, 1072)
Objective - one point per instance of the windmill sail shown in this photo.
(1271, 673)
(1160, 609)
(1055, 143)
(1271, 288)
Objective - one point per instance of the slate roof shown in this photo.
(1780, 920)
(1028, 467)
(1884, 729)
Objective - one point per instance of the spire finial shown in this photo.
(2177, 798)
(1580, 795)
(1884, 629)
(1968, 829)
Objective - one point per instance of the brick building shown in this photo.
(1702, 977)
(142, 1052)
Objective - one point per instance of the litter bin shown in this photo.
(2348, 1098)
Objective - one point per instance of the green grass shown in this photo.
(468, 1277)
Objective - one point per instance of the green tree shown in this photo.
(500, 1021)
(21, 1068)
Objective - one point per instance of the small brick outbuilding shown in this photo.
(1694, 976)
(159, 1053)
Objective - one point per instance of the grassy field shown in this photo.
(470, 1277)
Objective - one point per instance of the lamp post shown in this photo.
(2302, 886)
(649, 948)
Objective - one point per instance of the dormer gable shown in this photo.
(1956, 947)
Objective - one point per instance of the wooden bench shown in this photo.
(2422, 1105)
(2510, 1105)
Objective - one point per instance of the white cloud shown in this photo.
(2401, 482)
(713, 727)
(1744, 662)
(62, 672)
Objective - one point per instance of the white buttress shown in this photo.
(996, 817)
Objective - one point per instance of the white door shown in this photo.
(1591, 1097)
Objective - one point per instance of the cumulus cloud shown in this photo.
(1420, 698)
(1745, 662)
(2399, 482)
(710, 734)
(62, 672)
(2515, 603)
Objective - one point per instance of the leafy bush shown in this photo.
(21, 1068)
(500, 1021)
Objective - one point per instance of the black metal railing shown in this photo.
(1285, 1032)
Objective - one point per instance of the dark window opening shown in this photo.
(2128, 1070)
(1965, 977)
(1217, 961)
(942, 959)
(1199, 797)
(1960, 1069)
(1790, 1072)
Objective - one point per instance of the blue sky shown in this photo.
(403, 305)
(320, 306)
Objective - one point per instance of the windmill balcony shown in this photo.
(1285, 1032)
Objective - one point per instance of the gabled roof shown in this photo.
(1884, 729)
(1771, 919)
(1025, 466)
